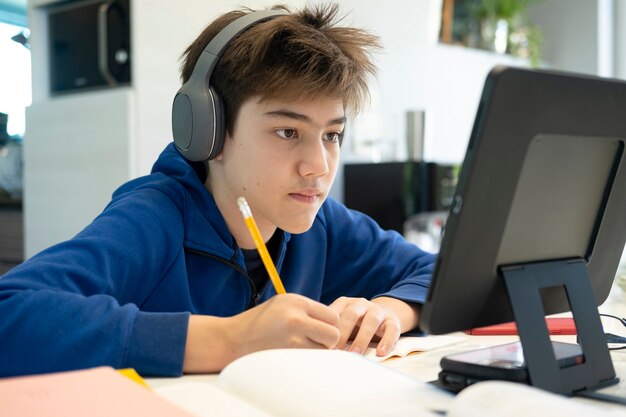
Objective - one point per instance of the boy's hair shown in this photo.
(301, 54)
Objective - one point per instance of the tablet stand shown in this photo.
(523, 283)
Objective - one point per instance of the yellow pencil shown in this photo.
(260, 245)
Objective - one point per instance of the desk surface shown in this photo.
(425, 366)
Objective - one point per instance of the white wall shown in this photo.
(71, 165)
(585, 36)
(570, 29)
(619, 40)
(76, 150)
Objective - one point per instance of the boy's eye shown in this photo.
(333, 136)
(287, 133)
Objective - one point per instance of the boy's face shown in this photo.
(282, 157)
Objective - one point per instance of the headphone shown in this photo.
(197, 111)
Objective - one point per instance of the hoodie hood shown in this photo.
(183, 182)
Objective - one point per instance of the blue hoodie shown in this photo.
(121, 291)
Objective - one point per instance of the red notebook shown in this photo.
(556, 325)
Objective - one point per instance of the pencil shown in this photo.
(260, 245)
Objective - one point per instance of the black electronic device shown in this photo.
(391, 192)
(537, 223)
(89, 45)
(503, 362)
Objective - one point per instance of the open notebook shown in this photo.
(306, 383)
(408, 345)
(322, 383)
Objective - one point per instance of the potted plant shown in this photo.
(498, 20)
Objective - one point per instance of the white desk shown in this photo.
(425, 366)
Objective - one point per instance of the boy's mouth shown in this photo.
(307, 196)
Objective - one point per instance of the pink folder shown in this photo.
(91, 392)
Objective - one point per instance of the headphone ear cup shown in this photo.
(198, 122)
(182, 121)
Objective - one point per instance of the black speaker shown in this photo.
(391, 192)
(89, 45)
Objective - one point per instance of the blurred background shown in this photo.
(86, 88)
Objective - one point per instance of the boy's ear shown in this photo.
(227, 138)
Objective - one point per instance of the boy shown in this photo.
(166, 280)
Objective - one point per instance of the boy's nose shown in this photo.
(314, 160)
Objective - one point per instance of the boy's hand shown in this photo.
(284, 321)
(364, 321)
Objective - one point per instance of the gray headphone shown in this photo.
(197, 111)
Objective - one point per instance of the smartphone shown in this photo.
(556, 325)
(503, 362)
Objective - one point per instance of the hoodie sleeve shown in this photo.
(75, 305)
(364, 260)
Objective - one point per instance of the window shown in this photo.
(15, 76)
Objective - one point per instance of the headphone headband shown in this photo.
(197, 112)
